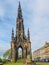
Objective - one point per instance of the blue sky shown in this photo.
(35, 15)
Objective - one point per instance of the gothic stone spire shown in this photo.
(20, 40)
(19, 24)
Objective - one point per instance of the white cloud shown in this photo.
(2, 11)
(4, 46)
(41, 7)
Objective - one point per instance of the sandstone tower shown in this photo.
(20, 40)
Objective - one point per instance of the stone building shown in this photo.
(41, 54)
(20, 40)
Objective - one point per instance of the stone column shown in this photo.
(24, 53)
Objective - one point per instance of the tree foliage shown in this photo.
(0, 60)
(7, 53)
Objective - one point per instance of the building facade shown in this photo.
(20, 40)
(41, 54)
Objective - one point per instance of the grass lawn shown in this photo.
(42, 63)
(14, 63)
(21, 63)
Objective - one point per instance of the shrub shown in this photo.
(4, 60)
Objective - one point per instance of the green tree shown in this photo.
(0, 60)
(6, 53)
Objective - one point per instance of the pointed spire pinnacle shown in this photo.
(12, 30)
(19, 5)
(19, 11)
(12, 34)
(28, 35)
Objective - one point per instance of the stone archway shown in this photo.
(20, 52)
(17, 53)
